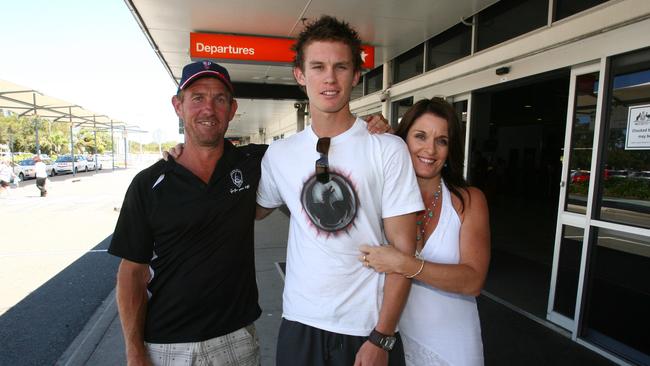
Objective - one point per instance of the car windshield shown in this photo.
(26, 162)
(64, 159)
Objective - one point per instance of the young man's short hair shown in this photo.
(328, 28)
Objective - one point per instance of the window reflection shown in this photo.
(565, 8)
(409, 64)
(618, 295)
(508, 19)
(582, 139)
(449, 46)
(399, 109)
(566, 287)
(624, 195)
(374, 80)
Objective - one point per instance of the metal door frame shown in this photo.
(571, 218)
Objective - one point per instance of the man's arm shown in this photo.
(400, 232)
(131, 296)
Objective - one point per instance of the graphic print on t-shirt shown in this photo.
(331, 206)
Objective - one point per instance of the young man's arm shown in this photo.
(131, 297)
(400, 232)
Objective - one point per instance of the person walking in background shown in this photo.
(41, 175)
(343, 187)
(7, 175)
(440, 323)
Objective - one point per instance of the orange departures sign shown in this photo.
(252, 49)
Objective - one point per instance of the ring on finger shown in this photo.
(364, 258)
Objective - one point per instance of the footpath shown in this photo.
(509, 337)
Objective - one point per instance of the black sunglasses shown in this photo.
(322, 164)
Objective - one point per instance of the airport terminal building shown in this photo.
(554, 97)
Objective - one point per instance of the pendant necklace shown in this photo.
(427, 216)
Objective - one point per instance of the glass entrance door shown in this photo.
(601, 264)
(517, 133)
(568, 258)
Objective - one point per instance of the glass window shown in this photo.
(624, 192)
(566, 8)
(399, 109)
(566, 285)
(409, 64)
(374, 80)
(582, 140)
(616, 314)
(451, 45)
(508, 19)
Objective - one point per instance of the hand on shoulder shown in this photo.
(175, 152)
(377, 124)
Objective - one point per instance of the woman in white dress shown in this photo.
(440, 323)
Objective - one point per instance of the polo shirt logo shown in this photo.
(237, 177)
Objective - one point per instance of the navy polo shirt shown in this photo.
(198, 240)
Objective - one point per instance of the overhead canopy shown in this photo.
(391, 26)
(24, 101)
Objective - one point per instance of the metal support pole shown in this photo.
(112, 149)
(38, 146)
(35, 120)
(11, 144)
(95, 152)
(71, 140)
(126, 147)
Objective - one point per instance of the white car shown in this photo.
(641, 175)
(64, 164)
(25, 168)
(94, 163)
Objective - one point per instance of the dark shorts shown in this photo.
(300, 344)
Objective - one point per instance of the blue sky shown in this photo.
(90, 53)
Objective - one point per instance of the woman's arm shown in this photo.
(468, 276)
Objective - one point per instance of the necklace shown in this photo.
(428, 214)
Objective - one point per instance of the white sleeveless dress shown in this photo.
(438, 327)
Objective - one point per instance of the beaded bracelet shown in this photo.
(419, 270)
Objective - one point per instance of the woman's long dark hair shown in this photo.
(453, 172)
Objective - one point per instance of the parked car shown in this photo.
(580, 176)
(64, 164)
(609, 173)
(25, 168)
(94, 163)
(641, 175)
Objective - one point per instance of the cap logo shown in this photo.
(206, 65)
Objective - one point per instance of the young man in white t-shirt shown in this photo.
(344, 187)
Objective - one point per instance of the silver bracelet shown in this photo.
(419, 270)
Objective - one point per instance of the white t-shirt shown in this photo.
(371, 178)
(39, 167)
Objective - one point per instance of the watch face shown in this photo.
(388, 343)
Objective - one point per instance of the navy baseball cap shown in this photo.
(200, 69)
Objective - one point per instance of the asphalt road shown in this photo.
(54, 269)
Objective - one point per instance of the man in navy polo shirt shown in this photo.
(186, 289)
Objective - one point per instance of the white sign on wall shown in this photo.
(638, 128)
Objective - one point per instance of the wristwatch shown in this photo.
(382, 341)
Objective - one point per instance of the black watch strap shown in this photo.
(382, 341)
